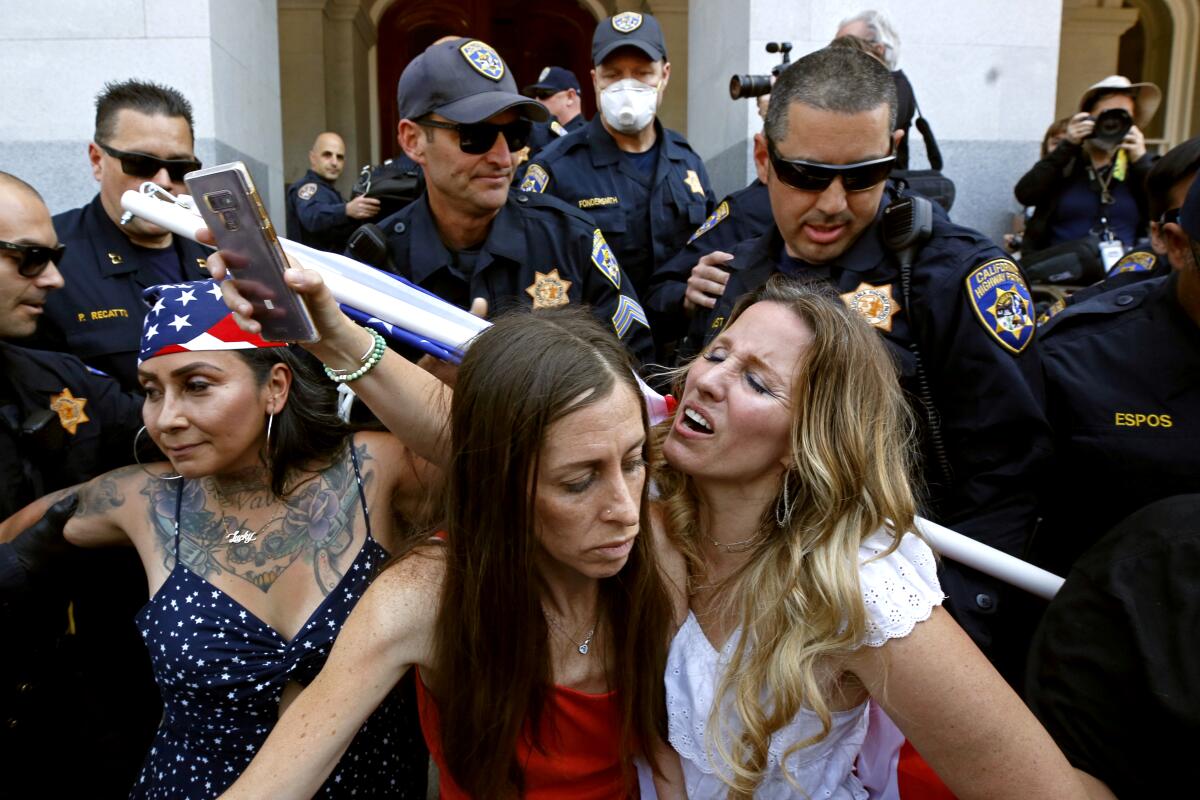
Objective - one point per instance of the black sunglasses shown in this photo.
(477, 138)
(33, 258)
(808, 176)
(143, 165)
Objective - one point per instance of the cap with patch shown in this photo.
(463, 80)
(190, 317)
(628, 29)
(1189, 214)
(553, 79)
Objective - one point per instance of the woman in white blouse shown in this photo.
(784, 479)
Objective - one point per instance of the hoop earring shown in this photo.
(783, 506)
(270, 421)
(136, 436)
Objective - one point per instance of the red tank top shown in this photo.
(582, 758)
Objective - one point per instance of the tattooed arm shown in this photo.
(104, 508)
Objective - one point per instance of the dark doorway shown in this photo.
(528, 36)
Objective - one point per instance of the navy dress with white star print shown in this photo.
(222, 671)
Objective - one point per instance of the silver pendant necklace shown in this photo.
(583, 646)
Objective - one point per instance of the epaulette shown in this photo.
(537, 200)
(1104, 305)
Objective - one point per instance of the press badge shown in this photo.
(1111, 252)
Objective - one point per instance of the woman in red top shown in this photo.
(539, 622)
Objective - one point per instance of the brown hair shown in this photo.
(490, 643)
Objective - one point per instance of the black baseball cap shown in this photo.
(464, 80)
(628, 29)
(1189, 214)
(553, 79)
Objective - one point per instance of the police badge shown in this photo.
(1002, 303)
(605, 261)
(875, 304)
(721, 213)
(483, 59)
(69, 409)
(548, 290)
(627, 22)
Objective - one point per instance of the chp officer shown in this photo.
(316, 213)
(642, 183)
(143, 133)
(558, 90)
(469, 238)
(957, 318)
(75, 682)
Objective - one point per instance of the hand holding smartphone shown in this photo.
(234, 212)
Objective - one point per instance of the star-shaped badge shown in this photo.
(69, 409)
(875, 304)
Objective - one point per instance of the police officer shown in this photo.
(316, 213)
(955, 313)
(470, 240)
(1123, 397)
(642, 183)
(558, 90)
(75, 687)
(143, 133)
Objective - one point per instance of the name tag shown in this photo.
(1130, 419)
(593, 202)
(108, 313)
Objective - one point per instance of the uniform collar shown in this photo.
(311, 176)
(505, 239)
(604, 148)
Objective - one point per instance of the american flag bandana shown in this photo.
(190, 317)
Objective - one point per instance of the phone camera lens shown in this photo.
(230, 219)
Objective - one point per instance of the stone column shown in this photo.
(1088, 49)
(672, 15)
(349, 36)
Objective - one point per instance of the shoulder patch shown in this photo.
(483, 59)
(306, 191)
(1137, 261)
(713, 220)
(628, 312)
(627, 22)
(559, 129)
(605, 260)
(536, 179)
(1051, 311)
(1002, 303)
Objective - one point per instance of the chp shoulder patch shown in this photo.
(69, 409)
(536, 180)
(627, 22)
(628, 312)
(548, 290)
(1002, 303)
(483, 59)
(1137, 261)
(306, 191)
(605, 260)
(713, 220)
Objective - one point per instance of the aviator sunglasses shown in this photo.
(809, 176)
(33, 258)
(477, 138)
(143, 165)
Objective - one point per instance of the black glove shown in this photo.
(36, 552)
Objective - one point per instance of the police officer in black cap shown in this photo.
(642, 183)
(1123, 397)
(470, 240)
(558, 90)
(75, 684)
(143, 133)
(953, 310)
(316, 213)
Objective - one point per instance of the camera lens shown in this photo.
(230, 219)
(741, 86)
(220, 201)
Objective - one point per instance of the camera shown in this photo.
(1111, 127)
(746, 86)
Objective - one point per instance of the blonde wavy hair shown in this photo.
(797, 598)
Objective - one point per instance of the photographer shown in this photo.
(1091, 184)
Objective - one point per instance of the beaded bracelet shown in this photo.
(367, 362)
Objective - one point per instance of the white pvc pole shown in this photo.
(996, 563)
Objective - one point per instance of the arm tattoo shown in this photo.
(99, 496)
(314, 522)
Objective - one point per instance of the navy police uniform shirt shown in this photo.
(539, 252)
(742, 215)
(544, 133)
(316, 214)
(98, 314)
(1123, 398)
(646, 218)
(1135, 266)
(972, 323)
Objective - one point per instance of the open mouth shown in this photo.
(695, 421)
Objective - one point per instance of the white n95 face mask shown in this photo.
(629, 105)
